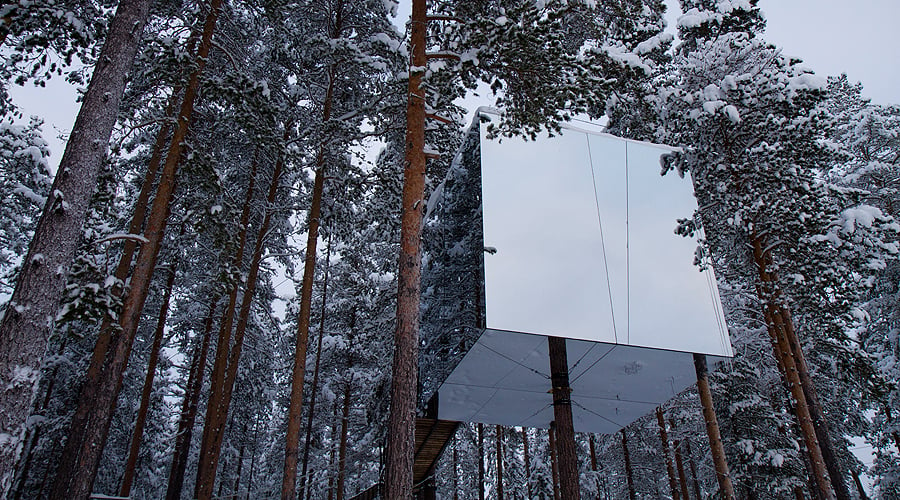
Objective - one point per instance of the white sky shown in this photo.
(831, 36)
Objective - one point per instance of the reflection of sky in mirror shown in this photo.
(504, 379)
(583, 224)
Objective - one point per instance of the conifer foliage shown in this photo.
(204, 300)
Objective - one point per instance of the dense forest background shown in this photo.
(259, 145)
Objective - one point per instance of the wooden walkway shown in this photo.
(432, 438)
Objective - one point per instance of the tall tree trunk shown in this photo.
(562, 412)
(679, 464)
(769, 295)
(726, 489)
(527, 464)
(298, 373)
(223, 343)
(629, 477)
(859, 486)
(456, 468)
(189, 409)
(479, 431)
(32, 440)
(221, 390)
(820, 423)
(404, 384)
(333, 462)
(694, 481)
(314, 390)
(240, 465)
(499, 437)
(78, 464)
(554, 462)
(30, 312)
(107, 327)
(342, 451)
(147, 390)
(664, 438)
(593, 450)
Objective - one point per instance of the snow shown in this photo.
(625, 58)
(22, 375)
(863, 215)
(732, 114)
(29, 193)
(653, 43)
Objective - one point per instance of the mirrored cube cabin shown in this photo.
(570, 235)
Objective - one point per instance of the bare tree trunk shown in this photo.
(223, 343)
(697, 492)
(479, 428)
(31, 311)
(78, 465)
(146, 391)
(841, 490)
(315, 382)
(679, 464)
(562, 412)
(527, 464)
(769, 295)
(499, 437)
(24, 466)
(664, 438)
(723, 476)
(332, 463)
(221, 390)
(240, 466)
(629, 477)
(342, 451)
(189, 409)
(859, 486)
(402, 422)
(593, 450)
(107, 328)
(554, 462)
(456, 468)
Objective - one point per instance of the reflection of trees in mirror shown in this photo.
(453, 268)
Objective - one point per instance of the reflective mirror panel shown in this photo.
(584, 230)
(505, 379)
(569, 236)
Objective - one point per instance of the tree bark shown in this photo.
(31, 311)
(696, 483)
(769, 295)
(479, 428)
(629, 477)
(562, 413)
(221, 391)
(554, 461)
(499, 462)
(342, 451)
(404, 384)
(223, 343)
(189, 409)
(527, 464)
(298, 373)
(593, 451)
(820, 423)
(679, 464)
(726, 488)
(146, 391)
(315, 383)
(664, 438)
(78, 464)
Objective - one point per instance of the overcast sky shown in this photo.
(833, 36)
